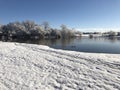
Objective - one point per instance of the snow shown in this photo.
(38, 67)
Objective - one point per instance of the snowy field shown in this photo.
(37, 67)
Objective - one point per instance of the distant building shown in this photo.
(118, 33)
(111, 33)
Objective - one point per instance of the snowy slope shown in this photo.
(37, 67)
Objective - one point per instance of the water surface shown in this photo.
(84, 44)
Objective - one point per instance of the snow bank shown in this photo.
(37, 67)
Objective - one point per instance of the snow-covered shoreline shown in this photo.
(38, 67)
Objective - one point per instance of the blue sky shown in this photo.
(81, 14)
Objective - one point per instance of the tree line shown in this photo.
(31, 30)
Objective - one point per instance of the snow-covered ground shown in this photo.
(37, 67)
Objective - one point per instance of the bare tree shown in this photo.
(46, 25)
(29, 25)
(64, 31)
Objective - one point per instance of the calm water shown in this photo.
(84, 44)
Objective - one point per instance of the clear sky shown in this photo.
(73, 13)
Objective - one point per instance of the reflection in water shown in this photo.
(66, 42)
(83, 44)
(113, 39)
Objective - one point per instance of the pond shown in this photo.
(83, 44)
